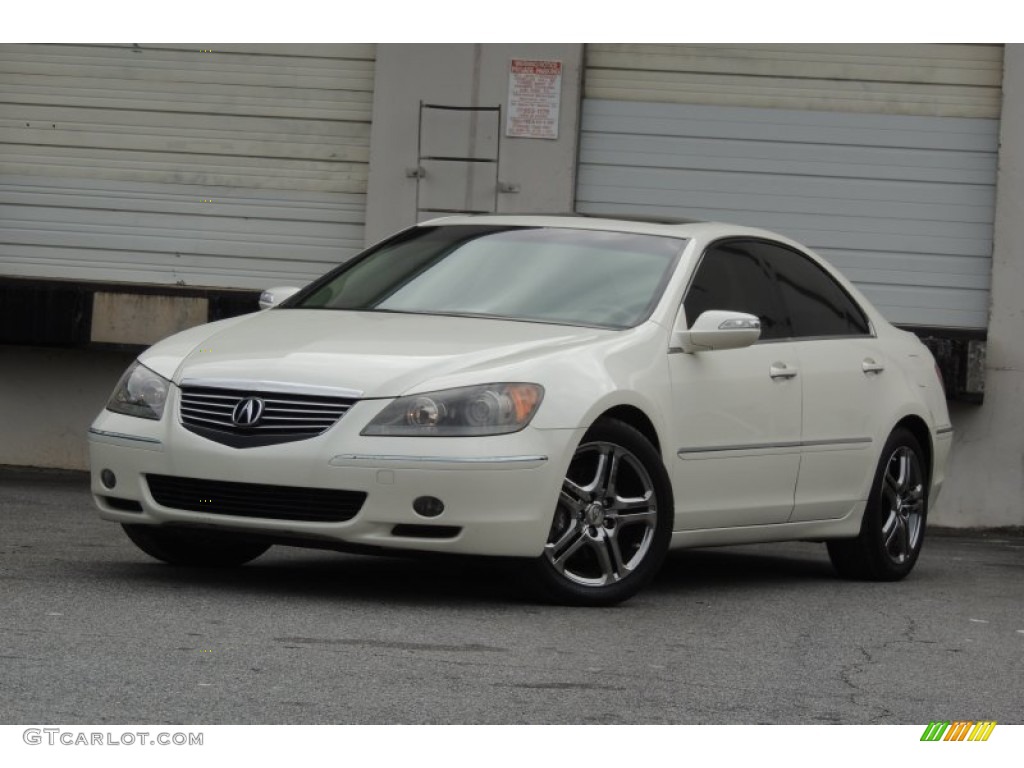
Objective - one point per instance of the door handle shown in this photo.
(870, 366)
(781, 371)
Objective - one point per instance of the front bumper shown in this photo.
(499, 493)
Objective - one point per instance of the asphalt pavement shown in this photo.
(93, 631)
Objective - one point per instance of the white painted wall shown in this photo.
(985, 485)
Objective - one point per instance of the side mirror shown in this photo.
(274, 296)
(716, 329)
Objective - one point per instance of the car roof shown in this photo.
(705, 230)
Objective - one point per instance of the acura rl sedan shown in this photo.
(579, 394)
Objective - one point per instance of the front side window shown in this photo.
(731, 277)
(564, 276)
(817, 305)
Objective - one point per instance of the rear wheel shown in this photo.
(892, 531)
(182, 546)
(612, 521)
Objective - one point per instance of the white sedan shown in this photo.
(580, 393)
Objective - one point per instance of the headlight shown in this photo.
(489, 409)
(140, 392)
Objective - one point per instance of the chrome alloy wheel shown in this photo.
(892, 529)
(903, 504)
(606, 518)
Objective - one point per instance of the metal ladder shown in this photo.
(427, 208)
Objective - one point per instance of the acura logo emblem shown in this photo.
(248, 412)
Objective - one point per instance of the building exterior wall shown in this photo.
(183, 165)
(902, 204)
(466, 75)
(985, 484)
(48, 396)
(919, 79)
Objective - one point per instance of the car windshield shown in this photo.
(565, 276)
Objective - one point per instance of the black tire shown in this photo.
(612, 522)
(183, 546)
(892, 531)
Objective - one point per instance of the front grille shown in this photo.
(286, 417)
(268, 502)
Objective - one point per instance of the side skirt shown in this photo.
(814, 530)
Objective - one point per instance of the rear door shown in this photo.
(843, 368)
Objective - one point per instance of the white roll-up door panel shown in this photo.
(901, 199)
(235, 166)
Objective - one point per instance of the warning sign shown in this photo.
(534, 99)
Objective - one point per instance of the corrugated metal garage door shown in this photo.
(882, 158)
(241, 166)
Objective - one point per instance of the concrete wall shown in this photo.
(466, 75)
(985, 485)
(48, 398)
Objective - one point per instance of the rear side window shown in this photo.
(816, 304)
(731, 277)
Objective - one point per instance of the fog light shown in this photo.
(428, 506)
(108, 479)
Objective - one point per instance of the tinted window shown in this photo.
(817, 305)
(570, 276)
(731, 277)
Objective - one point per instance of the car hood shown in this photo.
(376, 354)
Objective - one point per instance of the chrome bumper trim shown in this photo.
(123, 436)
(423, 462)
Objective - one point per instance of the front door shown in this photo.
(737, 412)
(738, 436)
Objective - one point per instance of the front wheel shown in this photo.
(612, 521)
(892, 531)
(182, 546)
